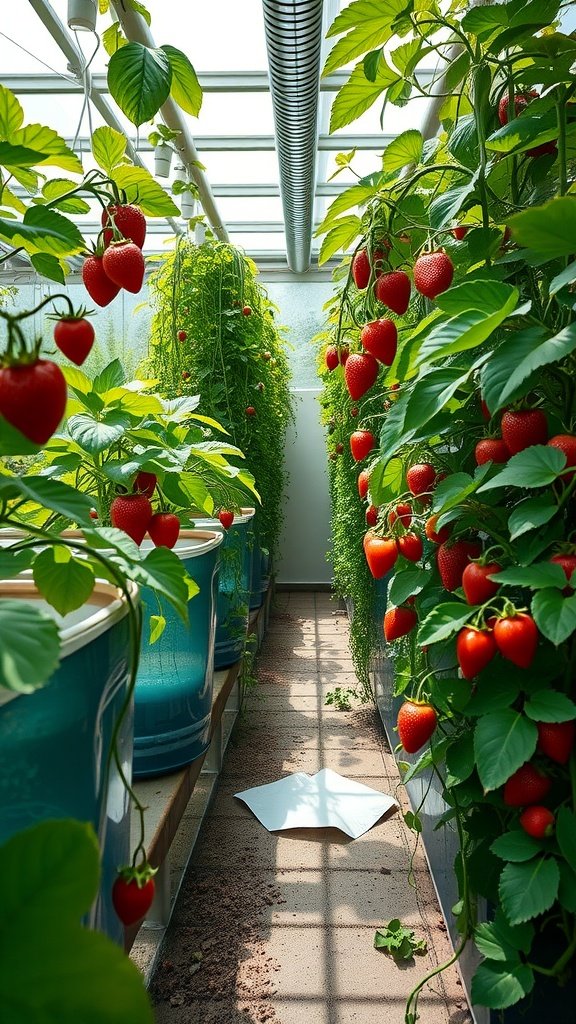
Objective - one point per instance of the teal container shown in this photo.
(173, 698)
(54, 743)
(232, 609)
(261, 569)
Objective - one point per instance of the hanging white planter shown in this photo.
(82, 15)
(188, 206)
(162, 160)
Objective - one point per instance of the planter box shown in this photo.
(173, 699)
(261, 569)
(54, 743)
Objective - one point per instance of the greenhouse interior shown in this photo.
(267, 262)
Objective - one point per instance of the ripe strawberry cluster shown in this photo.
(118, 261)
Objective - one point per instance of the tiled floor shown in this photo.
(279, 927)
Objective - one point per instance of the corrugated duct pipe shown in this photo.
(294, 43)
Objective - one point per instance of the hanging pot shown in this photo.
(82, 15)
(162, 160)
(188, 206)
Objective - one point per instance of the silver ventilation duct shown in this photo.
(294, 42)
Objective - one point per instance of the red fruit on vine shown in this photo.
(363, 483)
(371, 515)
(339, 448)
(491, 449)
(343, 354)
(521, 101)
(475, 648)
(526, 786)
(459, 232)
(421, 478)
(164, 529)
(568, 563)
(452, 559)
(132, 514)
(524, 428)
(361, 444)
(246, 311)
(556, 740)
(399, 622)
(538, 822)
(93, 513)
(33, 398)
(380, 339)
(516, 637)
(393, 290)
(381, 554)
(485, 410)
(133, 893)
(96, 282)
(145, 483)
(416, 723)
(544, 150)
(226, 518)
(437, 536)
(402, 512)
(410, 546)
(74, 336)
(185, 375)
(181, 335)
(433, 273)
(250, 410)
(476, 582)
(130, 223)
(123, 263)
(361, 267)
(331, 357)
(360, 374)
(565, 443)
(354, 411)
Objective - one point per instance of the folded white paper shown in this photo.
(324, 800)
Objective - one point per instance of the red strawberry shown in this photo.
(33, 398)
(182, 335)
(123, 263)
(185, 375)
(556, 740)
(246, 311)
(343, 354)
(393, 290)
(421, 478)
(538, 822)
(460, 232)
(516, 637)
(164, 529)
(568, 563)
(433, 273)
(372, 515)
(131, 513)
(74, 336)
(226, 518)
(133, 893)
(339, 448)
(98, 285)
(416, 723)
(526, 786)
(381, 554)
(485, 410)
(360, 374)
(361, 444)
(130, 223)
(491, 449)
(476, 582)
(380, 339)
(543, 150)
(250, 410)
(452, 559)
(331, 357)
(565, 443)
(403, 512)
(475, 648)
(524, 428)
(521, 101)
(399, 622)
(361, 266)
(145, 483)
(410, 546)
(437, 536)
(363, 483)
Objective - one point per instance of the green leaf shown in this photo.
(530, 514)
(443, 621)
(164, 572)
(339, 237)
(185, 88)
(11, 113)
(537, 576)
(527, 890)
(566, 834)
(401, 942)
(456, 488)
(516, 846)
(499, 940)
(549, 229)
(465, 331)
(351, 197)
(97, 435)
(12, 442)
(55, 188)
(405, 149)
(14, 562)
(536, 466)
(141, 187)
(491, 694)
(431, 393)
(65, 581)
(550, 706)
(18, 156)
(48, 266)
(108, 147)
(554, 614)
(485, 296)
(56, 152)
(460, 760)
(29, 646)
(499, 985)
(523, 133)
(386, 481)
(565, 277)
(44, 230)
(55, 495)
(447, 206)
(113, 38)
(358, 94)
(407, 583)
(368, 26)
(157, 627)
(112, 376)
(139, 80)
(518, 358)
(503, 741)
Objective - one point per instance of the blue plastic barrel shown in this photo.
(232, 610)
(173, 699)
(54, 743)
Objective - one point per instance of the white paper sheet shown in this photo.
(324, 800)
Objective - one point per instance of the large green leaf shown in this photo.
(554, 614)
(536, 576)
(96, 435)
(531, 513)
(139, 80)
(65, 581)
(112, 376)
(503, 742)
(431, 393)
(499, 985)
(405, 149)
(141, 187)
(29, 646)
(499, 940)
(444, 620)
(549, 229)
(185, 88)
(537, 466)
(527, 890)
(550, 706)
(358, 94)
(55, 495)
(487, 296)
(14, 562)
(11, 113)
(48, 266)
(516, 846)
(566, 835)
(524, 133)
(465, 330)
(44, 230)
(108, 147)
(12, 442)
(520, 356)
(47, 141)
(368, 25)
(164, 573)
(407, 583)
(386, 481)
(18, 156)
(565, 277)
(51, 966)
(55, 188)
(339, 237)
(485, 21)
(447, 206)
(351, 197)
